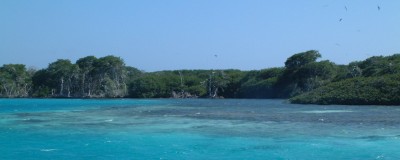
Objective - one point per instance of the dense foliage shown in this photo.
(88, 77)
(373, 81)
(360, 90)
(303, 79)
(15, 80)
(187, 84)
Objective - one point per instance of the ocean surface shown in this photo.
(195, 129)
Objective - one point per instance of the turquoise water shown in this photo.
(195, 130)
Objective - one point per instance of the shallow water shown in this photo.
(195, 129)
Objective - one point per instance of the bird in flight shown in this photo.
(345, 7)
(340, 19)
(379, 8)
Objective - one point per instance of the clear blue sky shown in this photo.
(155, 35)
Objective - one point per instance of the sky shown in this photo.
(155, 35)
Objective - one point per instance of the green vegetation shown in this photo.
(88, 77)
(373, 81)
(15, 80)
(303, 79)
(383, 90)
(187, 84)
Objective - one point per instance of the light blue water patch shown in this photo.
(194, 146)
(195, 129)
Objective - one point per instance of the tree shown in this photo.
(15, 81)
(42, 84)
(382, 90)
(260, 84)
(87, 78)
(232, 88)
(149, 86)
(300, 59)
(111, 77)
(132, 73)
(64, 75)
(216, 82)
(302, 73)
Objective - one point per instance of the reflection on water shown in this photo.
(237, 129)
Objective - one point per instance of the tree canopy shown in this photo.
(303, 79)
(300, 59)
(15, 80)
(88, 77)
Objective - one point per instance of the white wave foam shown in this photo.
(326, 111)
(48, 150)
(109, 120)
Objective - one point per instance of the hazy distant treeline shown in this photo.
(303, 79)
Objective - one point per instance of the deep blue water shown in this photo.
(195, 129)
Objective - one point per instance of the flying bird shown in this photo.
(345, 8)
(340, 19)
(379, 8)
(215, 55)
